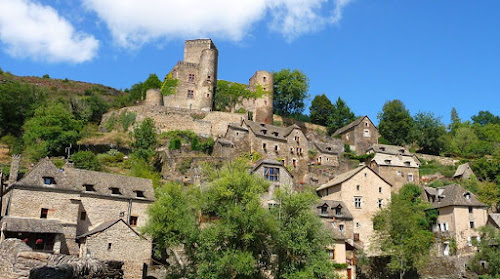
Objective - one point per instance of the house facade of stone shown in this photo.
(359, 134)
(338, 220)
(459, 216)
(364, 193)
(113, 239)
(395, 164)
(276, 174)
(49, 207)
(327, 153)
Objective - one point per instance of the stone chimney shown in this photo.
(14, 169)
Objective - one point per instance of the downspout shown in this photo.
(129, 211)
(1, 195)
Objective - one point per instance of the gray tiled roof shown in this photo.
(268, 162)
(271, 131)
(73, 179)
(389, 149)
(34, 225)
(349, 126)
(495, 217)
(328, 148)
(104, 226)
(395, 160)
(345, 213)
(340, 178)
(461, 170)
(451, 195)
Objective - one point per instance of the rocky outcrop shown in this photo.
(18, 261)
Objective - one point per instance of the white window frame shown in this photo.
(358, 202)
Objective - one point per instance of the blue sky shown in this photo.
(432, 55)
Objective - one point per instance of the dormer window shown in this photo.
(49, 180)
(338, 211)
(401, 150)
(275, 134)
(407, 163)
(467, 195)
(324, 209)
(329, 148)
(115, 191)
(262, 125)
(140, 194)
(263, 132)
(89, 187)
(387, 162)
(382, 148)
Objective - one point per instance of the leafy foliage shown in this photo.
(145, 139)
(86, 160)
(320, 110)
(402, 230)
(51, 129)
(230, 94)
(340, 116)
(396, 123)
(290, 90)
(488, 253)
(169, 85)
(485, 117)
(429, 133)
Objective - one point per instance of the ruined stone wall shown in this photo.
(447, 161)
(167, 119)
(120, 243)
(18, 261)
(187, 167)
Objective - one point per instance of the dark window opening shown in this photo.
(209, 78)
(44, 213)
(264, 79)
(190, 94)
(191, 78)
(109, 246)
(470, 209)
(133, 221)
(115, 191)
(272, 174)
(471, 223)
(323, 210)
(338, 211)
(49, 181)
(140, 194)
(89, 188)
(83, 216)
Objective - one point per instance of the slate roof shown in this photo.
(225, 142)
(389, 149)
(495, 217)
(238, 126)
(345, 213)
(461, 170)
(269, 162)
(72, 179)
(349, 126)
(104, 226)
(346, 176)
(328, 148)
(395, 160)
(271, 131)
(33, 225)
(451, 195)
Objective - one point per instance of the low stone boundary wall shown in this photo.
(447, 161)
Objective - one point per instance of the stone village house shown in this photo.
(459, 215)
(359, 134)
(80, 212)
(364, 193)
(277, 175)
(395, 164)
(339, 221)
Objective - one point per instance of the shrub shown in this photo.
(86, 160)
(175, 144)
(207, 146)
(126, 119)
(46, 76)
(185, 165)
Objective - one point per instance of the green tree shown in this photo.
(396, 124)
(402, 230)
(485, 117)
(301, 238)
(86, 160)
(487, 169)
(340, 116)
(290, 91)
(152, 82)
(488, 252)
(429, 133)
(230, 94)
(145, 139)
(455, 120)
(463, 140)
(320, 110)
(52, 128)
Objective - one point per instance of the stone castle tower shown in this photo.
(197, 76)
(261, 108)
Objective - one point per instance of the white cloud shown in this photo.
(134, 22)
(30, 29)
